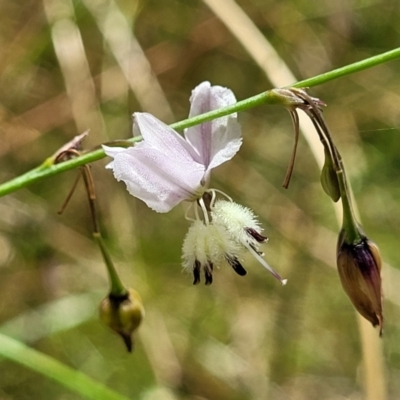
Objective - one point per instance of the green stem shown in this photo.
(45, 170)
(117, 287)
(350, 224)
(76, 381)
(350, 69)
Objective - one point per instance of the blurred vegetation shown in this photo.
(68, 66)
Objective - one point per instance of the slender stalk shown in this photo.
(76, 381)
(45, 170)
(117, 288)
(349, 220)
(296, 128)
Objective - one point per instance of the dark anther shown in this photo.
(196, 272)
(208, 269)
(207, 200)
(237, 266)
(257, 236)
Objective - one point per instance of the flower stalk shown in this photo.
(349, 224)
(117, 288)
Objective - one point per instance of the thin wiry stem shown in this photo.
(116, 286)
(296, 127)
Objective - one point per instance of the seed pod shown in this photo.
(123, 314)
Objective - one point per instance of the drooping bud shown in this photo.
(123, 314)
(329, 179)
(359, 266)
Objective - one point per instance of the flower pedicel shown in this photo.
(165, 169)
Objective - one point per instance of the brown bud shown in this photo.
(359, 266)
(123, 314)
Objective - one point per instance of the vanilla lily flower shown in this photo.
(166, 168)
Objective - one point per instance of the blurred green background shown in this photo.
(70, 66)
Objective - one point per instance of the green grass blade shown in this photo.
(74, 380)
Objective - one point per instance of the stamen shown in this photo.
(213, 197)
(265, 265)
(208, 269)
(204, 209)
(236, 265)
(213, 191)
(196, 272)
(187, 214)
(196, 213)
(256, 235)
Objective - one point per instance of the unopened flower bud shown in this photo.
(329, 180)
(123, 314)
(359, 266)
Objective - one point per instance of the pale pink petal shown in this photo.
(152, 176)
(219, 140)
(112, 152)
(160, 136)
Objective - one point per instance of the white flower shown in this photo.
(165, 168)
